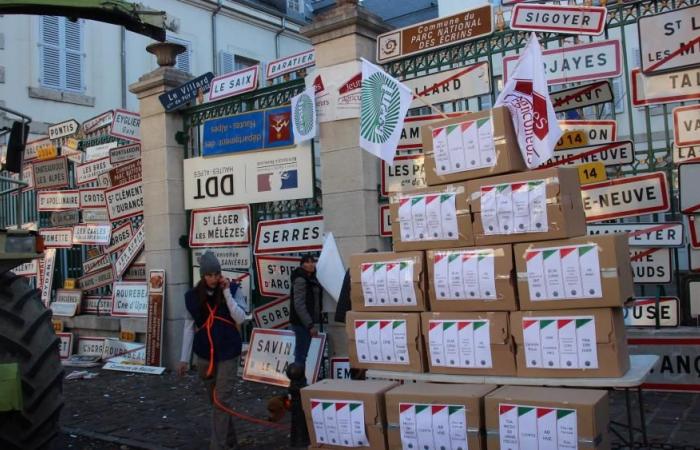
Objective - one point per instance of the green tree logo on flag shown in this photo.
(304, 114)
(380, 116)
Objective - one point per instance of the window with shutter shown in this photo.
(61, 53)
(184, 60)
(241, 62)
(226, 62)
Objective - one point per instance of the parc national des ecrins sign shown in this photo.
(255, 130)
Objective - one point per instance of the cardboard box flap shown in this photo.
(606, 322)
(499, 325)
(356, 261)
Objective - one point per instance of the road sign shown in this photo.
(52, 173)
(274, 274)
(125, 173)
(678, 86)
(643, 312)
(288, 64)
(57, 237)
(185, 93)
(124, 201)
(64, 218)
(406, 173)
(676, 40)
(126, 125)
(57, 200)
(688, 176)
(130, 299)
(668, 234)
(96, 279)
(584, 62)
(582, 96)
(125, 153)
(694, 231)
(572, 139)
(384, 221)
(572, 19)
(234, 83)
(301, 234)
(686, 125)
(92, 234)
(63, 129)
(674, 371)
(597, 131)
(432, 34)
(274, 314)
(130, 252)
(220, 227)
(626, 197)
(451, 85)
(340, 367)
(98, 121)
(685, 154)
(591, 172)
(614, 154)
(92, 198)
(89, 171)
(231, 258)
(651, 265)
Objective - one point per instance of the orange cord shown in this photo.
(245, 417)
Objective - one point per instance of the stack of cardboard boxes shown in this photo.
(492, 274)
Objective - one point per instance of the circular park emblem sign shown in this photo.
(304, 115)
(380, 115)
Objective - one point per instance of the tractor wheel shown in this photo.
(27, 338)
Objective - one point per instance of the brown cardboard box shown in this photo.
(610, 342)
(370, 393)
(616, 279)
(415, 301)
(504, 280)
(464, 236)
(565, 215)
(471, 396)
(508, 156)
(591, 406)
(502, 348)
(401, 333)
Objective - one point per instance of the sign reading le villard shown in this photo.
(268, 128)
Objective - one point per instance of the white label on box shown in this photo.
(342, 418)
(330, 423)
(457, 422)
(450, 341)
(317, 418)
(535, 274)
(361, 340)
(386, 336)
(487, 274)
(546, 429)
(487, 147)
(374, 341)
(508, 427)
(408, 291)
(433, 216)
(563, 273)
(357, 422)
(525, 427)
(367, 278)
(442, 157)
(514, 208)
(448, 212)
(440, 276)
(424, 424)
(428, 217)
(521, 207)
(405, 220)
(455, 148)
(587, 345)
(470, 275)
(590, 271)
(560, 342)
(568, 347)
(435, 343)
(538, 205)
(470, 140)
(531, 342)
(567, 430)
(482, 344)
(419, 217)
(400, 337)
(571, 271)
(454, 273)
(549, 339)
(441, 424)
(489, 220)
(407, 425)
(393, 283)
(504, 208)
(460, 343)
(381, 292)
(552, 274)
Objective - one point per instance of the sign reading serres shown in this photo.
(222, 227)
(451, 85)
(301, 234)
(124, 201)
(126, 125)
(384, 221)
(582, 96)
(274, 314)
(92, 234)
(686, 125)
(626, 197)
(572, 19)
(679, 86)
(130, 299)
(234, 83)
(274, 274)
(407, 173)
(668, 234)
(52, 173)
(57, 200)
(288, 64)
(422, 37)
(675, 40)
(584, 62)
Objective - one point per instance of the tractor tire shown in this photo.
(27, 338)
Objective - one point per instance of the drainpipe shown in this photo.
(123, 65)
(214, 44)
(277, 36)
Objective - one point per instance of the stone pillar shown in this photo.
(349, 175)
(164, 209)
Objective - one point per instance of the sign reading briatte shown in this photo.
(220, 227)
(130, 299)
(433, 34)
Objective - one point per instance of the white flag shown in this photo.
(329, 268)
(304, 115)
(527, 98)
(385, 102)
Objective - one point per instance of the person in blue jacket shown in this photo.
(212, 330)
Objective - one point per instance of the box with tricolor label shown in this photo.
(430, 218)
(570, 343)
(528, 417)
(530, 206)
(388, 281)
(346, 413)
(583, 272)
(435, 416)
(385, 341)
(472, 279)
(471, 146)
(469, 343)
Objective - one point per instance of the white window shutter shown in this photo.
(226, 62)
(61, 53)
(50, 52)
(74, 55)
(184, 60)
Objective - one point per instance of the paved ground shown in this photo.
(123, 411)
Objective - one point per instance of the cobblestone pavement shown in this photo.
(123, 411)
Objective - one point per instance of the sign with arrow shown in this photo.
(185, 93)
(63, 129)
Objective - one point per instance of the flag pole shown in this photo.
(422, 100)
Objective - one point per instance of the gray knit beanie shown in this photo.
(209, 263)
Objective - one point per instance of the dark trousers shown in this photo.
(302, 343)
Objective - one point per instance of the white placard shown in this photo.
(301, 234)
(678, 86)
(460, 343)
(57, 237)
(125, 153)
(63, 129)
(120, 237)
(130, 299)
(233, 179)
(569, 19)
(381, 341)
(99, 151)
(339, 422)
(95, 304)
(125, 200)
(28, 269)
(274, 274)
(65, 345)
(131, 250)
(230, 258)
(672, 31)
(450, 85)
(407, 173)
(134, 368)
(651, 265)
(444, 426)
(533, 427)
(686, 125)
(220, 227)
(561, 342)
(87, 172)
(92, 198)
(95, 215)
(596, 131)
(626, 197)
(57, 200)
(96, 279)
(64, 309)
(582, 96)
(560, 273)
(124, 352)
(126, 125)
(92, 234)
(233, 83)
(69, 296)
(51, 174)
(644, 311)
(98, 121)
(330, 270)
(668, 234)
(274, 314)
(288, 64)
(90, 346)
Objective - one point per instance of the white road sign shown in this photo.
(130, 299)
(340, 368)
(274, 274)
(124, 201)
(28, 177)
(63, 309)
(235, 179)
(686, 125)
(643, 312)
(99, 121)
(63, 129)
(46, 275)
(384, 221)
(679, 86)
(407, 173)
(300, 234)
(97, 263)
(451, 85)
(131, 250)
(66, 345)
(122, 351)
(274, 314)
(668, 234)
(121, 235)
(220, 227)
(651, 265)
(51, 174)
(99, 151)
(95, 215)
(234, 83)
(92, 198)
(57, 200)
(126, 125)
(57, 237)
(675, 40)
(230, 258)
(597, 131)
(90, 345)
(86, 172)
(92, 234)
(626, 197)
(571, 19)
(582, 96)
(96, 279)
(583, 62)
(28, 269)
(125, 153)
(288, 64)
(614, 154)
(688, 176)
(685, 154)
(95, 304)
(694, 230)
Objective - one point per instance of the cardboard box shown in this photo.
(464, 415)
(346, 395)
(385, 341)
(469, 343)
(584, 272)
(503, 144)
(392, 281)
(425, 217)
(537, 412)
(546, 202)
(563, 338)
(485, 274)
